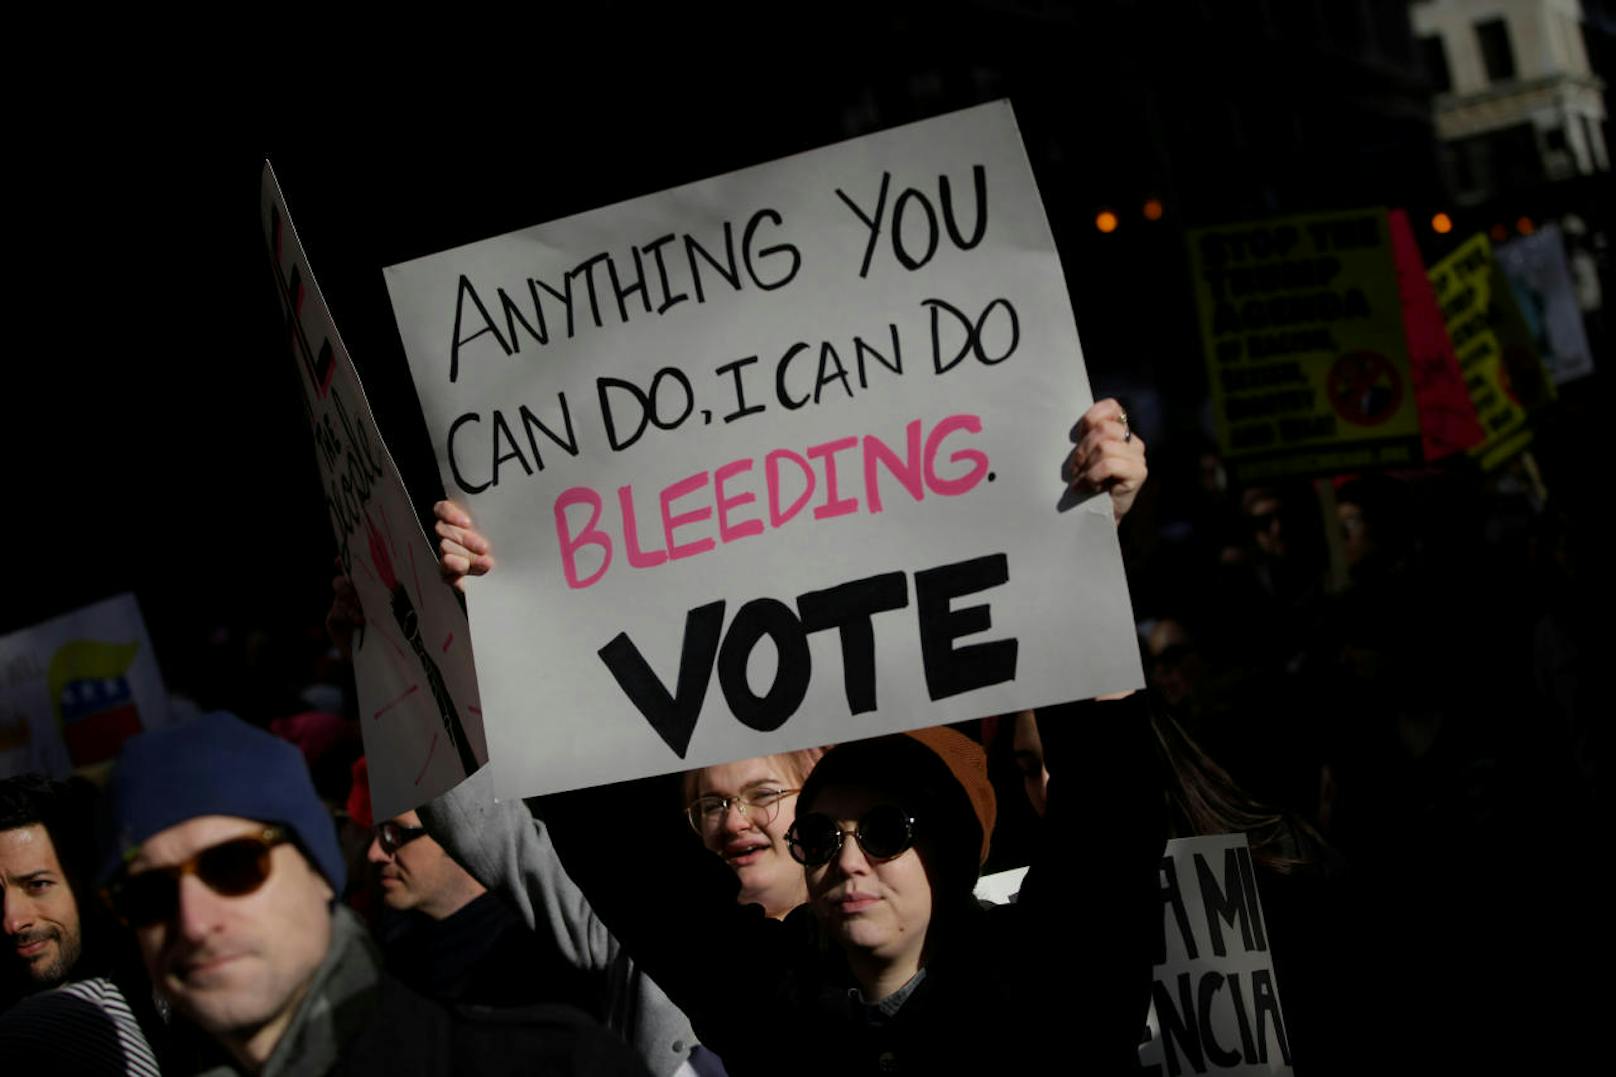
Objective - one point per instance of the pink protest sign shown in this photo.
(1448, 422)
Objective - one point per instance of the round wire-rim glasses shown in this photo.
(760, 806)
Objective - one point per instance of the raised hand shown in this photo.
(1109, 457)
(462, 549)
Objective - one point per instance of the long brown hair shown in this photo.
(1203, 799)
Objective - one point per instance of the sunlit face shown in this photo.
(236, 966)
(878, 908)
(756, 847)
(420, 874)
(42, 933)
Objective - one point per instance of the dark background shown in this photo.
(152, 431)
(154, 440)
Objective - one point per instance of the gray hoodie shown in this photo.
(509, 852)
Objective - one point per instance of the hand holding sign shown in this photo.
(463, 550)
(457, 536)
(1109, 456)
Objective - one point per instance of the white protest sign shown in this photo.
(1215, 1001)
(771, 460)
(74, 688)
(422, 723)
(1000, 888)
(1540, 277)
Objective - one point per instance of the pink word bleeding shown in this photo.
(692, 506)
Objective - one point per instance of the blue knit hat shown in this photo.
(217, 764)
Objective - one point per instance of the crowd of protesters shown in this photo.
(1351, 673)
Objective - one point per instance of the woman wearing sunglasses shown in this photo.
(892, 965)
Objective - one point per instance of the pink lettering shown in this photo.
(590, 536)
(726, 533)
(833, 505)
(631, 533)
(771, 471)
(735, 500)
(979, 461)
(906, 472)
(670, 522)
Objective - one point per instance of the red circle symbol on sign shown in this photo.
(1365, 389)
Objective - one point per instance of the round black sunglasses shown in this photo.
(883, 832)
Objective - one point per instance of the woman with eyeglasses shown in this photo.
(742, 812)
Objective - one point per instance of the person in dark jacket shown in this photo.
(892, 966)
(448, 937)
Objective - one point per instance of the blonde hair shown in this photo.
(794, 766)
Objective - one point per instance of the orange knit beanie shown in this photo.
(969, 764)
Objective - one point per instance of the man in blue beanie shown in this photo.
(226, 865)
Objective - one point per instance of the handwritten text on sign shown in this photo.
(1215, 1002)
(1305, 349)
(1505, 377)
(706, 427)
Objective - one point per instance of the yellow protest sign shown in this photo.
(1305, 347)
(1501, 368)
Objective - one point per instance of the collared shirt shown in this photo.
(879, 1013)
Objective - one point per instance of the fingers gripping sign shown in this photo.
(462, 549)
(1109, 457)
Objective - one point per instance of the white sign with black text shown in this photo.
(771, 460)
